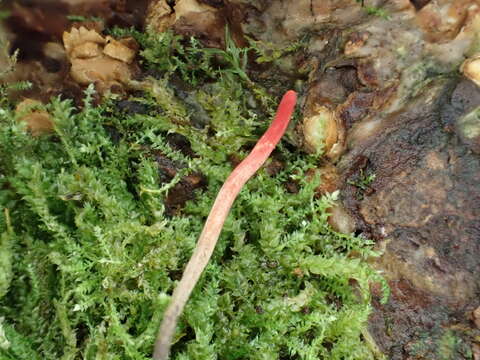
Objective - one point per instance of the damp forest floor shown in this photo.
(99, 218)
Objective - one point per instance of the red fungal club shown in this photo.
(213, 226)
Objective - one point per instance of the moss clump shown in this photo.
(89, 255)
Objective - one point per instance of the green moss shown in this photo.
(6, 255)
(362, 182)
(93, 256)
(269, 52)
(439, 343)
(374, 10)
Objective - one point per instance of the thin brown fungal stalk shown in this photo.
(213, 226)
